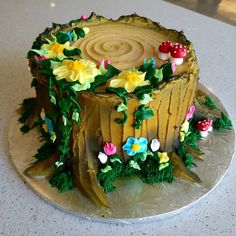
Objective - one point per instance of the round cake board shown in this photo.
(132, 201)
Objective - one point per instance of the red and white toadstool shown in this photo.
(204, 126)
(164, 50)
(178, 53)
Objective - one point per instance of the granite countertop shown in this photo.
(22, 212)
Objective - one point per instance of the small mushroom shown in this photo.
(204, 127)
(164, 50)
(178, 53)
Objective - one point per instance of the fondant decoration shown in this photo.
(164, 50)
(134, 145)
(178, 53)
(109, 148)
(129, 79)
(155, 145)
(83, 71)
(102, 157)
(204, 127)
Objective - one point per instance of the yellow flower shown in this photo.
(184, 127)
(55, 49)
(181, 136)
(129, 79)
(82, 70)
(163, 157)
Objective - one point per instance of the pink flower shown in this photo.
(173, 67)
(103, 63)
(84, 17)
(42, 58)
(191, 110)
(109, 148)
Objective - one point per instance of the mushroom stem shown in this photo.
(177, 61)
(163, 56)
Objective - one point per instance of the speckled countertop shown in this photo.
(22, 212)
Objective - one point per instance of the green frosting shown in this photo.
(210, 103)
(101, 79)
(122, 93)
(141, 114)
(222, 123)
(63, 181)
(191, 140)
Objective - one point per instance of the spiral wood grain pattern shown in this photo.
(124, 45)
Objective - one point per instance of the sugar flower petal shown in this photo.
(129, 79)
(102, 157)
(134, 145)
(155, 145)
(163, 157)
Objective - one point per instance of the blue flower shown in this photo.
(150, 61)
(49, 124)
(134, 145)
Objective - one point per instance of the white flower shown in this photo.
(155, 145)
(102, 157)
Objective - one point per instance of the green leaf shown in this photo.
(163, 166)
(64, 119)
(53, 136)
(134, 164)
(75, 116)
(62, 37)
(101, 79)
(79, 32)
(71, 53)
(121, 107)
(166, 71)
(146, 98)
(140, 91)
(140, 156)
(64, 105)
(142, 113)
(81, 87)
(159, 75)
(74, 36)
(106, 169)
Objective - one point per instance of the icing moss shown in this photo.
(210, 103)
(63, 181)
(222, 123)
(191, 140)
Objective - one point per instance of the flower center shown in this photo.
(135, 147)
(57, 48)
(132, 78)
(76, 65)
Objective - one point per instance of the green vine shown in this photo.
(122, 93)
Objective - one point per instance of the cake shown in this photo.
(114, 98)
